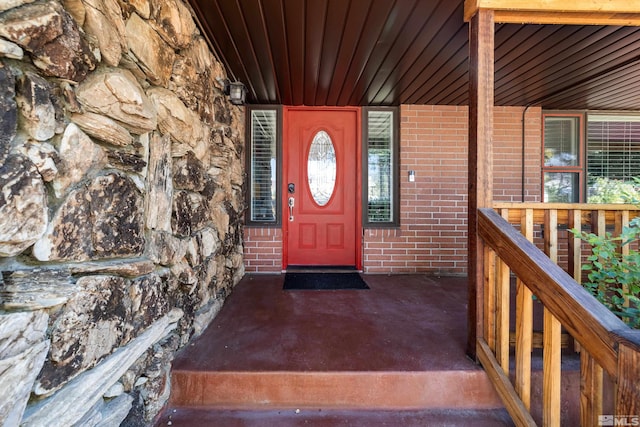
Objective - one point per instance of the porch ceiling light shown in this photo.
(235, 91)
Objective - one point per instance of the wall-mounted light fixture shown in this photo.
(412, 176)
(235, 91)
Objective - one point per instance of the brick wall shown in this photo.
(433, 233)
(262, 250)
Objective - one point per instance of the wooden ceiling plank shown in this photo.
(315, 33)
(225, 44)
(369, 36)
(261, 49)
(614, 88)
(335, 27)
(397, 23)
(294, 17)
(536, 61)
(235, 17)
(450, 33)
(553, 66)
(411, 44)
(356, 19)
(273, 11)
(601, 55)
(456, 83)
(439, 62)
(444, 79)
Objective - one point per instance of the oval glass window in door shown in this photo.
(321, 168)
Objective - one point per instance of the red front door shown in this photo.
(321, 184)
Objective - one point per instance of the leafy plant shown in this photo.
(608, 190)
(614, 278)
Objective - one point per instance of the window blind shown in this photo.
(380, 164)
(613, 146)
(263, 165)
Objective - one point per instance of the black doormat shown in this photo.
(323, 281)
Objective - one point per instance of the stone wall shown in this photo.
(121, 205)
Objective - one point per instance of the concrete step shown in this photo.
(198, 417)
(391, 355)
(464, 389)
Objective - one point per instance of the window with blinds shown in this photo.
(561, 141)
(613, 158)
(613, 146)
(562, 168)
(381, 167)
(263, 166)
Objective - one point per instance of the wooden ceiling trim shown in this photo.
(419, 32)
(557, 11)
(568, 18)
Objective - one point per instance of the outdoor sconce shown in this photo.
(235, 91)
(412, 176)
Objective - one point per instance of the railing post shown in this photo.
(480, 159)
(627, 391)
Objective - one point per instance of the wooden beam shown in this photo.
(574, 12)
(480, 179)
(567, 18)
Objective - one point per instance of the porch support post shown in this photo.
(480, 177)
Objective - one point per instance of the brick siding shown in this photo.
(262, 250)
(433, 233)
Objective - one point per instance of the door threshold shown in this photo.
(322, 269)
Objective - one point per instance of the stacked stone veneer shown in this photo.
(121, 204)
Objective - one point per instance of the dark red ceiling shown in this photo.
(386, 52)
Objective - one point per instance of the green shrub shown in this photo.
(615, 278)
(607, 190)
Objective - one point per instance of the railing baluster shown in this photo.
(503, 292)
(551, 370)
(575, 245)
(490, 297)
(591, 379)
(551, 359)
(524, 325)
(551, 234)
(622, 221)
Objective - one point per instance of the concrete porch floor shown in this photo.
(390, 355)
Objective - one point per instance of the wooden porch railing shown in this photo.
(606, 344)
